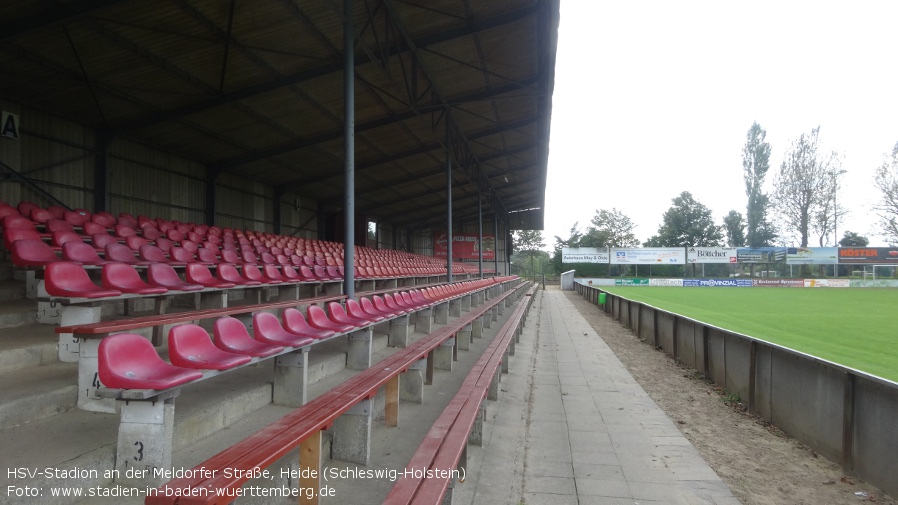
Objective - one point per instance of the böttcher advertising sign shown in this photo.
(873, 255)
(711, 255)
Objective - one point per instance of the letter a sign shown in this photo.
(9, 125)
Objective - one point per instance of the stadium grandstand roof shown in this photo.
(256, 88)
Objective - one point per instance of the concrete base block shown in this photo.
(441, 313)
(411, 383)
(358, 355)
(352, 434)
(476, 435)
(442, 355)
(501, 306)
(505, 362)
(464, 338)
(493, 391)
(424, 321)
(72, 315)
(89, 379)
(477, 328)
(466, 303)
(291, 378)
(144, 441)
(399, 331)
(333, 288)
(455, 307)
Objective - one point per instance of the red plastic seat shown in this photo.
(317, 318)
(190, 246)
(134, 242)
(253, 273)
(68, 279)
(189, 346)
(129, 361)
(320, 273)
(153, 254)
(76, 217)
(272, 274)
(61, 237)
(182, 255)
(25, 207)
(150, 232)
(59, 225)
(231, 335)
(228, 273)
(334, 272)
(123, 277)
(124, 231)
(41, 216)
(162, 274)
(207, 256)
(8, 210)
(295, 322)
(197, 273)
(104, 219)
(101, 240)
(32, 253)
(81, 253)
(17, 221)
(376, 305)
(338, 314)
(381, 305)
(229, 256)
(267, 328)
(164, 244)
(122, 254)
(127, 220)
(90, 228)
(393, 305)
(355, 309)
(11, 235)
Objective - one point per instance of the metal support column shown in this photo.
(211, 177)
(448, 203)
(480, 236)
(101, 171)
(496, 244)
(349, 146)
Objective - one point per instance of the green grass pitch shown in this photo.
(857, 328)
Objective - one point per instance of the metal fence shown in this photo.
(846, 415)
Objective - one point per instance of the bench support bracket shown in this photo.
(352, 434)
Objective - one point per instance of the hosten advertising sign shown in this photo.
(649, 256)
(584, 255)
(711, 255)
(877, 255)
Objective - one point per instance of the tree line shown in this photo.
(802, 206)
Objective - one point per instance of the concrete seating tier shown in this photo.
(345, 409)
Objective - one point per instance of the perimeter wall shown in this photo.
(849, 416)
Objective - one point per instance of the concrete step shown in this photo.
(34, 393)
(27, 346)
(17, 312)
(11, 289)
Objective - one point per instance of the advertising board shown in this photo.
(584, 255)
(648, 256)
(711, 255)
(465, 246)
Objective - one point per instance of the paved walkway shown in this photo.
(575, 428)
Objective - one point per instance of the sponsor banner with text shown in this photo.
(761, 254)
(649, 256)
(464, 246)
(711, 255)
(584, 255)
(718, 283)
(871, 255)
(812, 255)
(827, 283)
(779, 283)
(631, 282)
(666, 282)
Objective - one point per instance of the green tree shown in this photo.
(529, 243)
(687, 223)
(755, 164)
(805, 188)
(886, 181)
(572, 241)
(852, 239)
(734, 228)
(610, 228)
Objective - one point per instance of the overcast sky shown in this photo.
(653, 98)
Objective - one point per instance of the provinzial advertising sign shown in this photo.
(711, 255)
(717, 283)
(872, 255)
(584, 255)
(812, 255)
(464, 246)
(761, 254)
(649, 256)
